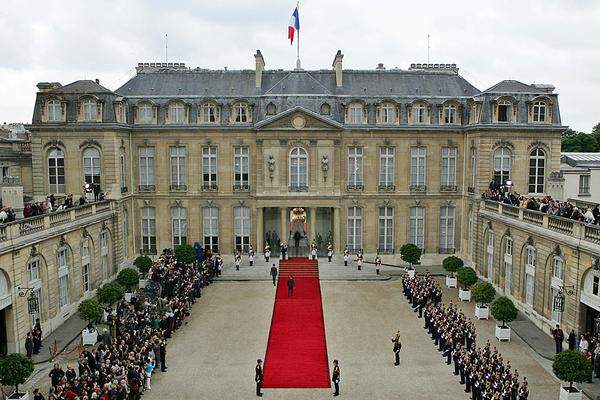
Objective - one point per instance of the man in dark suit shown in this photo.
(258, 377)
(274, 273)
(290, 284)
(335, 377)
(559, 336)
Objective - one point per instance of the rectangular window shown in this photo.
(529, 288)
(147, 168)
(595, 285)
(241, 228)
(210, 228)
(355, 167)
(530, 275)
(355, 114)
(63, 291)
(416, 229)
(555, 313)
(387, 114)
(418, 114)
(209, 114)
(124, 228)
(558, 268)
(508, 249)
(104, 254)
(490, 254)
(85, 266)
(89, 111)
(37, 293)
(177, 114)
(449, 167)
(33, 269)
(446, 229)
(386, 167)
(584, 184)
(179, 223)
(386, 229)
(241, 167)
(354, 237)
(470, 235)
(178, 168)
(450, 115)
(503, 112)
(56, 171)
(473, 166)
(148, 230)
(209, 167)
(417, 166)
(122, 168)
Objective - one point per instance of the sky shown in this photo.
(546, 41)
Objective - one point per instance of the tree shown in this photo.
(410, 253)
(185, 254)
(571, 366)
(143, 264)
(110, 293)
(483, 293)
(466, 276)
(452, 264)
(90, 310)
(128, 278)
(15, 369)
(504, 310)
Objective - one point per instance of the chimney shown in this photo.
(380, 66)
(97, 81)
(337, 67)
(260, 67)
(48, 86)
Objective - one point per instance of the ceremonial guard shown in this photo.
(329, 251)
(258, 377)
(313, 251)
(377, 263)
(238, 260)
(397, 346)
(251, 255)
(335, 377)
(346, 256)
(267, 252)
(359, 260)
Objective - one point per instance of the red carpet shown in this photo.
(297, 349)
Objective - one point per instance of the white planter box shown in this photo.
(411, 273)
(89, 338)
(464, 295)
(482, 312)
(22, 396)
(128, 297)
(503, 333)
(143, 283)
(451, 282)
(566, 395)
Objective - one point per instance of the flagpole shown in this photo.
(298, 65)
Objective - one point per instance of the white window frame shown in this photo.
(210, 228)
(356, 114)
(584, 184)
(56, 156)
(509, 111)
(85, 265)
(176, 113)
(529, 286)
(449, 155)
(122, 168)
(470, 224)
(447, 226)
(489, 251)
(241, 166)
(355, 166)
(54, 108)
(92, 165)
(416, 227)
(179, 226)
(418, 165)
(241, 228)
(386, 229)
(145, 113)
(354, 228)
(209, 113)
(387, 159)
(209, 166)
(105, 255)
(473, 167)
(298, 168)
(178, 166)
(63, 277)
(148, 229)
(502, 164)
(508, 263)
(537, 180)
(418, 114)
(124, 232)
(540, 111)
(240, 112)
(449, 114)
(35, 285)
(387, 113)
(89, 110)
(147, 165)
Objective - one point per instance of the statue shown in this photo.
(271, 166)
(325, 165)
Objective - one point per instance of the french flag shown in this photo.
(294, 25)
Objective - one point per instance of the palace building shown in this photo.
(370, 159)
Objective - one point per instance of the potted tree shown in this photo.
(14, 370)
(143, 264)
(411, 254)
(128, 278)
(452, 264)
(571, 366)
(89, 310)
(503, 310)
(185, 253)
(467, 277)
(483, 293)
(108, 295)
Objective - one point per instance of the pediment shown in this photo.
(298, 118)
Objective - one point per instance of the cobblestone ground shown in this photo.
(214, 356)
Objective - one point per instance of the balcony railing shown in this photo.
(178, 188)
(418, 188)
(11, 180)
(147, 188)
(298, 188)
(447, 188)
(27, 226)
(355, 186)
(210, 186)
(386, 188)
(241, 187)
(575, 229)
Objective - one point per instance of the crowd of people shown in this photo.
(122, 365)
(481, 369)
(546, 204)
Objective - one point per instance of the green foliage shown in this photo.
(110, 293)
(483, 292)
(504, 310)
(128, 278)
(452, 264)
(410, 253)
(143, 264)
(185, 253)
(15, 369)
(581, 141)
(89, 310)
(466, 276)
(571, 366)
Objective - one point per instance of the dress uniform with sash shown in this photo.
(377, 264)
(329, 251)
(251, 255)
(267, 253)
(346, 256)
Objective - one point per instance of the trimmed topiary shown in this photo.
(15, 369)
(410, 253)
(504, 310)
(185, 253)
(128, 278)
(110, 293)
(571, 366)
(143, 264)
(466, 276)
(452, 264)
(483, 293)
(89, 310)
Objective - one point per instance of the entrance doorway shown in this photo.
(3, 338)
(592, 319)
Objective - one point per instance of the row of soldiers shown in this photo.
(481, 370)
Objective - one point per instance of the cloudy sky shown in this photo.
(546, 41)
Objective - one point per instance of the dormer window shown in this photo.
(271, 109)
(450, 114)
(387, 113)
(89, 110)
(120, 113)
(176, 113)
(209, 113)
(54, 111)
(355, 113)
(504, 111)
(240, 113)
(145, 113)
(539, 111)
(418, 114)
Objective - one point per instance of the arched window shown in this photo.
(271, 109)
(56, 170)
(504, 111)
(145, 113)
(537, 166)
(176, 113)
(240, 113)
(355, 113)
(489, 251)
(63, 277)
(91, 165)
(54, 110)
(502, 156)
(539, 111)
(298, 169)
(508, 263)
(529, 284)
(89, 110)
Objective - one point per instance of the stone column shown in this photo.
(336, 229)
(259, 230)
(312, 224)
(283, 224)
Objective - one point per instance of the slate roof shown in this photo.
(512, 86)
(581, 160)
(82, 87)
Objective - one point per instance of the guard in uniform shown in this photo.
(267, 253)
(238, 259)
(346, 256)
(397, 347)
(335, 377)
(258, 377)
(251, 255)
(359, 260)
(377, 263)
(329, 251)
